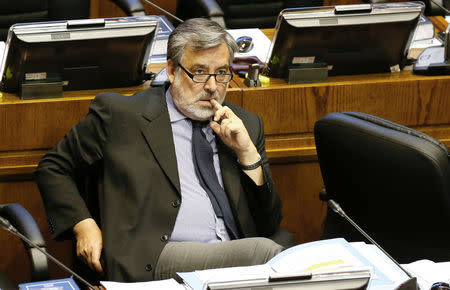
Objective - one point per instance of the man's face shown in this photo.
(192, 98)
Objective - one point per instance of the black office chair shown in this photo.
(390, 179)
(430, 6)
(21, 219)
(240, 13)
(45, 10)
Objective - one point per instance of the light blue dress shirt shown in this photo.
(196, 220)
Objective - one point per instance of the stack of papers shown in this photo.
(169, 284)
(314, 261)
(159, 50)
(429, 272)
(334, 256)
(424, 30)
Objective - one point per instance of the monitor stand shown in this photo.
(307, 73)
(435, 60)
(41, 89)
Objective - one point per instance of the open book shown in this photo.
(326, 258)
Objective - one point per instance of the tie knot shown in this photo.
(199, 124)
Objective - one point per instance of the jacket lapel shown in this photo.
(157, 132)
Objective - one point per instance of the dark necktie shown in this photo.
(204, 167)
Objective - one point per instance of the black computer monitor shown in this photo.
(80, 54)
(349, 39)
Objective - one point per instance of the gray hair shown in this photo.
(198, 34)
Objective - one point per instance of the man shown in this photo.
(157, 212)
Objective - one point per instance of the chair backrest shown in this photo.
(242, 13)
(21, 219)
(390, 179)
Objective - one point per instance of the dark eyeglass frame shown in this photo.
(192, 76)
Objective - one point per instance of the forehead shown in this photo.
(211, 57)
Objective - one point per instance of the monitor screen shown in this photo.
(349, 39)
(82, 54)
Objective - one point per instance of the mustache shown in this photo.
(206, 96)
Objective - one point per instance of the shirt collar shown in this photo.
(174, 114)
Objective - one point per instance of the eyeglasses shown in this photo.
(203, 78)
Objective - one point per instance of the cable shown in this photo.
(165, 11)
(435, 3)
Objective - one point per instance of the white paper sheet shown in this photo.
(169, 284)
(429, 272)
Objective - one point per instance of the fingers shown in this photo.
(226, 128)
(215, 104)
(95, 262)
(89, 251)
(222, 112)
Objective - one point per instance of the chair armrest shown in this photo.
(211, 7)
(131, 7)
(21, 219)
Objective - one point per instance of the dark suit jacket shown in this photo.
(128, 140)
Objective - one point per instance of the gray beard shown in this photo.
(191, 106)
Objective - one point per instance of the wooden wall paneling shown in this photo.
(294, 109)
(31, 125)
(106, 8)
(298, 184)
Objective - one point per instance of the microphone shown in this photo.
(10, 228)
(411, 284)
(164, 11)
(438, 5)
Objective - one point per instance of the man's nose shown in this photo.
(211, 84)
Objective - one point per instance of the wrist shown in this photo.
(83, 226)
(246, 165)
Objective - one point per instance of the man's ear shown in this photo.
(171, 70)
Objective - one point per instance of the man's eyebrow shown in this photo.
(202, 66)
(225, 66)
(197, 66)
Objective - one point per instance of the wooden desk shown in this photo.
(28, 129)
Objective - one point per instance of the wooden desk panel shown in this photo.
(412, 101)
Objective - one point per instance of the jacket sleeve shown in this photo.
(264, 202)
(57, 172)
